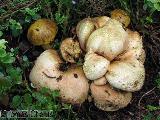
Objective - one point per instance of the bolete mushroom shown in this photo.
(42, 32)
(114, 60)
(121, 16)
(108, 41)
(70, 50)
(95, 66)
(100, 81)
(135, 47)
(108, 99)
(72, 84)
(127, 75)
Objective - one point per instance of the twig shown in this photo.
(11, 12)
(145, 94)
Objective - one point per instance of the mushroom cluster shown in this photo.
(113, 63)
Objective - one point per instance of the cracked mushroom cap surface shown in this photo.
(70, 50)
(108, 99)
(42, 32)
(127, 75)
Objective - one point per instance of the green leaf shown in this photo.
(8, 59)
(5, 85)
(55, 93)
(15, 27)
(2, 43)
(157, 6)
(149, 116)
(149, 19)
(15, 74)
(2, 53)
(153, 108)
(153, 1)
(16, 101)
(1, 33)
(27, 98)
(41, 98)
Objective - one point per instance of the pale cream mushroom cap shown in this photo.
(74, 86)
(127, 75)
(108, 99)
(84, 28)
(108, 41)
(135, 47)
(100, 21)
(45, 72)
(142, 57)
(95, 66)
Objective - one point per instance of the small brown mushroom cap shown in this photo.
(70, 50)
(74, 86)
(108, 99)
(100, 81)
(121, 16)
(42, 32)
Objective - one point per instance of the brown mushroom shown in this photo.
(121, 16)
(42, 32)
(70, 50)
(100, 81)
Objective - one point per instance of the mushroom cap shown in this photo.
(100, 21)
(135, 47)
(95, 66)
(84, 28)
(74, 86)
(142, 57)
(108, 41)
(108, 99)
(70, 50)
(100, 81)
(42, 31)
(121, 16)
(45, 72)
(127, 75)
